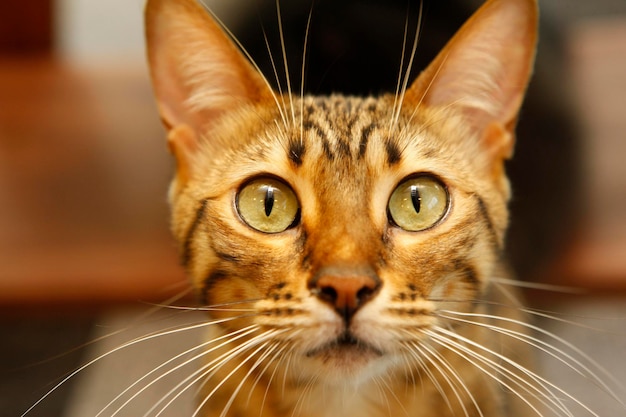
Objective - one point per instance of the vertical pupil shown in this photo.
(415, 198)
(269, 200)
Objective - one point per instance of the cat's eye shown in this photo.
(268, 205)
(418, 203)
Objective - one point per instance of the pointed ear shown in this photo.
(484, 70)
(197, 72)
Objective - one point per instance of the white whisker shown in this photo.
(236, 310)
(424, 366)
(378, 380)
(393, 394)
(306, 391)
(594, 377)
(231, 337)
(282, 108)
(247, 375)
(538, 286)
(463, 352)
(133, 342)
(400, 72)
(256, 381)
(252, 62)
(229, 356)
(546, 384)
(284, 51)
(456, 376)
(227, 377)
(303, 71)
(409, 66)
(205, 370)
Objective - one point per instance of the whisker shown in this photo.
(183, 308)
(284, 51)
(400, 71)
(410, 65)
(463, 352)
(379, 390)
(594, 377)
(208, 369)
(247, 375)
(539, 286)
(263, 372)
(551, 315)
(133, 342)
(288, 364)
(212, 306)
(304, 56)
(139, 319)
(409, 367)
(424, 366)
(540, 380)
(283, 108)
(378, 380)
(306, 391)
(251, 60)
(227, 377)
(393, 394)
(444, 375)
(444, 362)
(546, 314)
(238, 334)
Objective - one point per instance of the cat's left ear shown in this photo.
(197, 72)
(484, 70)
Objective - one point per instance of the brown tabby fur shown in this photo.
(343, 156)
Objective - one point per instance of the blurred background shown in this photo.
(84, 172)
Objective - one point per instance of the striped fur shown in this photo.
(343, 157)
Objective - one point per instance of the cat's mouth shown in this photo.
(346, 347)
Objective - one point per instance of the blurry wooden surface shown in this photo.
(83, 178)
(84, 173)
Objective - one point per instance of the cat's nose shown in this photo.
(346, 291)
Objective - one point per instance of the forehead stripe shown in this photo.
(365, 137)
(393, 152)
(296, 151)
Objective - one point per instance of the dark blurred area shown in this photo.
(27, 27)
(84, 167)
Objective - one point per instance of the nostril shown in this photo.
(328, 294)
(365, 293)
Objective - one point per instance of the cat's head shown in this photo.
(339, 226)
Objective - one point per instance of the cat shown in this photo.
(349, 247)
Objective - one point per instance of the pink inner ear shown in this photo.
(485, 68)
(197, 72)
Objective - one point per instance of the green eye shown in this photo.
(268, 205)
(418, 203)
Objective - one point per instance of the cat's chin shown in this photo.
(346, 354)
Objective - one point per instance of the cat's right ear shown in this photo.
(482, 73)
(197, 73)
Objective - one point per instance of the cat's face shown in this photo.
(342, 220)
(337, 228)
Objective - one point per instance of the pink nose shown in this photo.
(344, 291)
